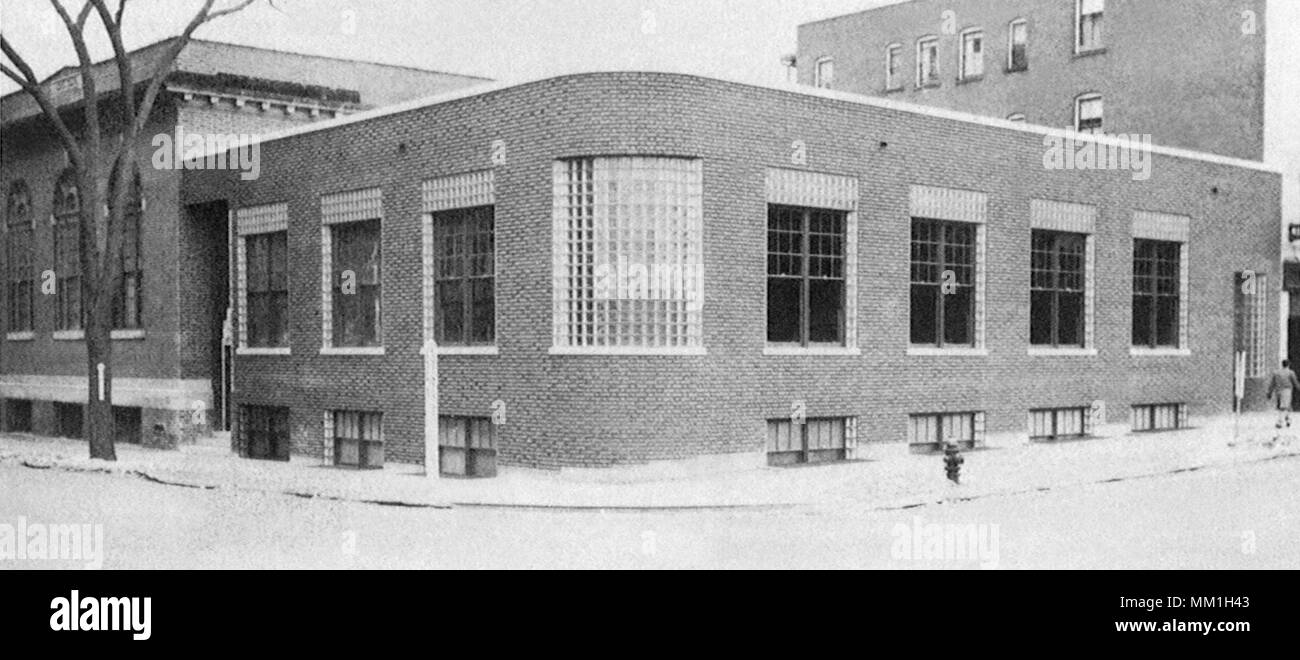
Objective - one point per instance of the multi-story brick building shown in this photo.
(626, 268)
(171, 310)
(1189, 73)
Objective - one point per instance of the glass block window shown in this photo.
(1157, 290)
(465, 276)
(937, 429)
(1059, 423)
(1159, 417)
(358, 439)
(943, 270)
(1251, 315)
(20, 271)
(67, 253)
(628, 254)
(1057, 282)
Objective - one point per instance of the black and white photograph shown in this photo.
(909, 285)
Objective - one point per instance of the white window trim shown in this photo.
(352, 350)
(263, 350)
(1016, 117)
(1146, 351)
(817, 72)
(1046, 351)
(68, 335)
(627, 350)
(893, 56)
(25, 335)
(131, 334)
(961, 55)
(1011, 44)
(1073, 218)
(967, 206)
(1078, 25)
(774, 350)
(1078, 110)
(920, 44)
(253, 221)
(933, 351)
(468, 350)
(450, 193)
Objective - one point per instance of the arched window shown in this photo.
(67, 252)
(127, 300)
(20, 278)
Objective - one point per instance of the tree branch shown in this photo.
(29, 82)
(125, 73)
(89, 91)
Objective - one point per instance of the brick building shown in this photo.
(171, 310)
(1189, 73)
(625, 268)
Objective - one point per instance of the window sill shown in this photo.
(893, 90)
(68, 335)
(933, 85)
(466, 350)
(1099, 50)
(1159, 352)
(931, 351)
(263, 350)
(352, 350)
(1062, 352)
(626, 350)
(811, 351)
(970, 79)
(1010, 70)
(121, 335)
(21, 336)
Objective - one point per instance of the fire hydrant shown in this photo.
(952, 460)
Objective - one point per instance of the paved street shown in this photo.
(1242, 516)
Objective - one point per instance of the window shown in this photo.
(357, 265)
(21, 275)
(1159, 417)
(1088, 111)
(467, 446)
(1057, 282)
(464, 272)
(18, 416)
(927, 62)
(264, 433)
(1058, 423)
(1088, 19)
(68, 420)
(943, 283)
(805, 275)
(1157, 271)
(267, 289)
(893, 57)
(824, 75)
(67, 253)
(972, 54)
(127, 302)
(1018, 46)
(127, 425)
(1016, 117)
(358, 439)
(1251, 336)
(628, 254)
(815, 441)
(934, 430)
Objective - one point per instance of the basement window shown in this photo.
(264, 433)
(127, 426)
(18, 416)
(932, 431)
(69, 420)
(358, 439)
(467, 446)
(820, 440)
(1159, 417)
(1058, 424)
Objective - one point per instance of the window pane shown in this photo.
(1167, 321)
(1070, 325)
(1142, 331)
(826, 311)
(925, 322)
(783, 303)
(959, 317)
(1040, 318)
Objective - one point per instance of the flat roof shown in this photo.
(798, 90)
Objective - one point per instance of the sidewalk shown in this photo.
(894, 483)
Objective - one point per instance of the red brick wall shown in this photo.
(597, 411)
(1181, 71)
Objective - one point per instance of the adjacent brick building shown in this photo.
(1189, 73)
(168, 343)
(872, 276)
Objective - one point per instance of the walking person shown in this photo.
(1281, 385)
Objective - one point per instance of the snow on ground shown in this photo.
(891, 483)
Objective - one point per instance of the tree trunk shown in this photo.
(99, 411)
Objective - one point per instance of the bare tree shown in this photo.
(103, 201)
